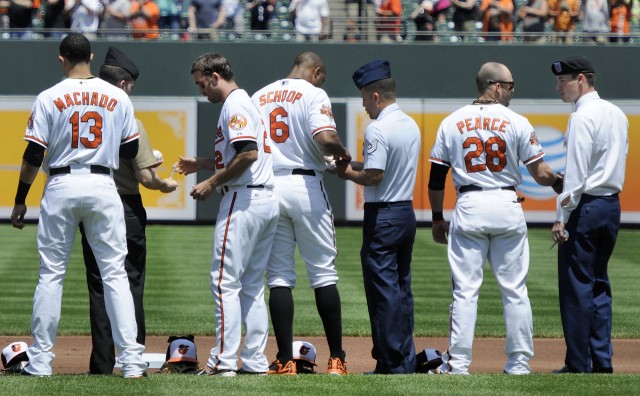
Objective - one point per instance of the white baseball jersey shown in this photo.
(240, 121)
(484, 144)
(82, 122)
(70, 121)
(295, 111)
(392, 144)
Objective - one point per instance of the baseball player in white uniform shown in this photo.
(483, 143)
(84, 123)
(303, 131)
(246, 223)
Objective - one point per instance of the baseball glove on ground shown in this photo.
(304, 367)
(179, 368)
(15, 368)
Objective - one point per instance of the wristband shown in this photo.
(21, 194)
(437, 216)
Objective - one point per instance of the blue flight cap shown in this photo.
(372, 71)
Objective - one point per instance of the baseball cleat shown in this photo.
(337, 366)
(245, 372)
(565, 370)
(219, 372)
(277, 368)
(138, 376)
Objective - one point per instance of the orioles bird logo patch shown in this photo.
(326, 110)
(16, 347)
(183, 349)
(534, 139)
(304, 350)
(237, 122)
(30, 120)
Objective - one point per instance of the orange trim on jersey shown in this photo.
(439, 161)
(246, 137)
(224, 248)
(530, 160)
(323, 128)
(130, 138)
(35, 140)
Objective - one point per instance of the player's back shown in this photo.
(83, 121)
(295, 111)
(485, 145)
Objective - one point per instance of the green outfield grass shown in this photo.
(178, 298)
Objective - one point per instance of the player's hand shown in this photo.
(440, 231)
(168, 185)
(558, 234)
(201, 191)
(341, 168)
(17, 216)
(558, 186)
(329, 164)
(186, 166)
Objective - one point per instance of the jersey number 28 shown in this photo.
(494, 150)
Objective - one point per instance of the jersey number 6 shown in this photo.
(95, 129)
(494, 149)
(276, 124)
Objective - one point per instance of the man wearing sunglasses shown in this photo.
(483, 143)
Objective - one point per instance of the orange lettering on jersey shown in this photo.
(467, 124)
(94, 99)
(298, 96)
(486, 124)
(112, 104)
(85, 98)
(277, 96)
(76, 98)
(460, 126)
(219, 136)
(59, 104)
(104, 99)
(503, 126)
(68, 100)
(478, 123)
(493, 124)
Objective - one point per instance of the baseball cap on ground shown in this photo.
(181, 349)
(428, 360)
(304, 354)
(572, 65)
(371, 72)
(14, 356)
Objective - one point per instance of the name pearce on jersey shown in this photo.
(85, 99)
(482, 123)
(280, 96)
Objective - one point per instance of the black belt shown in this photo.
(472, 187)
(305, 172)
(371, 205)
(225, 189)
(65, 170)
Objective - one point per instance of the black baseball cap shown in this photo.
(572, 65)
(115, 57)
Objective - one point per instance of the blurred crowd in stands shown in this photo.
(533, 21)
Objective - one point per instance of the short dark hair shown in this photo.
(114, 74)
(590, 77)
(386, 88)
(210, 63)
(76, 48)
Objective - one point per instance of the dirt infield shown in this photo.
(72, 353)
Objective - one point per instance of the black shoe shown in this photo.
(245, 372)
(602, 370)
(565, 370)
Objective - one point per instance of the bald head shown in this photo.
(491, 71)
(309, 66)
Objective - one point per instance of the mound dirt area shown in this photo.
(72, 353)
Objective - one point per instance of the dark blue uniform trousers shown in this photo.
(388, 234)
(584, 289)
